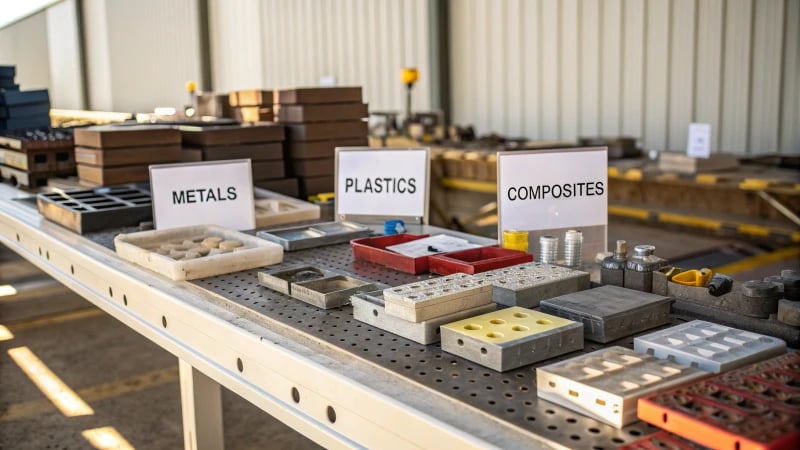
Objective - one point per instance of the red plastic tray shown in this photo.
(373, 249)
(756, 407)
(477, 260)
(661, 441)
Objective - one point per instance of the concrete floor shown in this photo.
(132, 385)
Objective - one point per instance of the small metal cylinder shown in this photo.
(573, 249)
(612, 269)
(548, 249)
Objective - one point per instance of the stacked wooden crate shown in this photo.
(261, 143)
(317, 121)
(118, 154)
(251, 106)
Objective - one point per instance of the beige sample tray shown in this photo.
(276, 209)
(143, 249)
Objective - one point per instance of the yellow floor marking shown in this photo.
(95, 393)
(56, 318)
(106, 438)
(64, 398)
(625, 211)
(757, 261)
(5, 334)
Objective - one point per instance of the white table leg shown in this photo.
(201, 407)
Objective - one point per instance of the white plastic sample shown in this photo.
(606, 384)
(528, 284)
(428, 299)
(708, 346)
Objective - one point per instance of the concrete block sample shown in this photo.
(609, 312)
(527, 284)
(606, 384)
(369, 308)
(511, 338)
(428, 299)
(708, 346)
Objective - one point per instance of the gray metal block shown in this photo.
(639, 281)
(789, 312)
(528, 284)
(330, 292)
(369, 308)
(732, 301)
(281, 279)
(708, 346)
(609, 313)
(511, 338)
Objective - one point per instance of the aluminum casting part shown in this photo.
(548, 249)
(573, 249)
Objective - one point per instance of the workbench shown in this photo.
(340, 382)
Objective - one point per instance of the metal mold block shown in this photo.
(281, 280)
(317, 235)
(145, 248)
(370, 308)
(89, 210)
(428, 299)
(511, 338)
(528, 284)
(606, 384)
(330, 292)
(708, 346)
(609, 313)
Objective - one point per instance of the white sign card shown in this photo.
(214, 193)
(545, 190)
(699, 145)
(381, 182)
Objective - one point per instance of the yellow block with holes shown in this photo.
(510, 338)
(507, 325)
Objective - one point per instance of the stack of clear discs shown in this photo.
(548, 249)
(573, 249)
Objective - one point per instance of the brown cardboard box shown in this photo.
(256, 152)
(322, 149)
(107, 176)
(326, 130)
(127, 156)
(232, 134)
(253, 114)
(316, 185)
(318, 95)
(321, 113)
(191, 155)
(268, 170)
(115, 136)
(313, 167)
(285, 186)
(251, 97)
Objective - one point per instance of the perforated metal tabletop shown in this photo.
(509, 397)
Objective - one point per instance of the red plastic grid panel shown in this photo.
(755, 407)
(660, 441)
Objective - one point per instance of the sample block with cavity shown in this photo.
(605, 385)
(528, 284)
(369, 308)
(428, 299)
(511, 338)
(609, 313)
(708, 346)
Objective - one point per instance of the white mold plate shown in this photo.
(606, 384)
(708, 346)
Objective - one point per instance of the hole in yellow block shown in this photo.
(495, 335)
(472, 327)
(520, 315)
(497, 321)
(544, 322)
(520, 328)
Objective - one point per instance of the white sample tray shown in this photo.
(275, 209)
(708, 346)
(142, 248)
(605, 385)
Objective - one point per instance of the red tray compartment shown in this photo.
(477, 260)
(752, 408)
(373, 249)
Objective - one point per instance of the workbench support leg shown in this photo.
(201, 406)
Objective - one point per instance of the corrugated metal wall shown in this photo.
(236, 50)
(24, 44)
(560, 69)
(360, 42)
